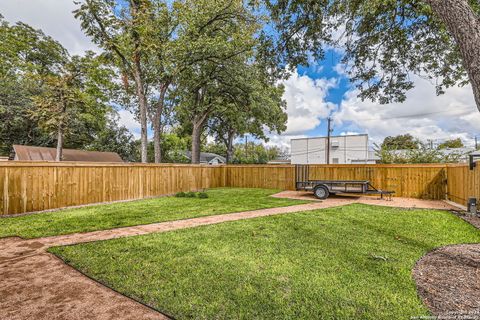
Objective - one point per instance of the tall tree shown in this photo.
(216, 41)
(118, 30)
(36, 76)
(261, 110)
(160, 31)
(24, 52)
(385, 41)
(72, 97)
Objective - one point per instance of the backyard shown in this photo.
(123, 214)
(321, 260)
(352, 261)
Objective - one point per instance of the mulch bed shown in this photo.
(448, 279)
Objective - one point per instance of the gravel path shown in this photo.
(36, 285)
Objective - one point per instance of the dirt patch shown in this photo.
(473, 220)
(43, 287)
(348, 199)
(448, 280)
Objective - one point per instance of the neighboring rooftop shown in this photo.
(332, 136)
(31, 153)
(207, 157)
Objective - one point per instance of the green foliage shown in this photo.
(215, 147)
(115, 215)
(349, 262)
(452, 143)
(422, 154)
(42, 86)
(403, 141)
(115, 138)
(180, 194)
(202, 195)
(190, 194)
(384, 42)
(24, 54)
(255, 153)
(173, 148)
(222, 84)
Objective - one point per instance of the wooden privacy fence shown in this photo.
(416, 181)
(34, 186)
(463, 183)
(30, 186)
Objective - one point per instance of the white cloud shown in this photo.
(306, 103)
(54, 17)
(452, 115)
(283, 140)
(128, 120)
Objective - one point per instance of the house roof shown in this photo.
(30, 153)
(207, 156)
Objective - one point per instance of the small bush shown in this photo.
(190, 194)
(180, 194)
(202, 195)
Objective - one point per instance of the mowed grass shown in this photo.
(92, 218)
(351, 262)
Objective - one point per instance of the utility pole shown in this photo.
(476, 143)
(246, 146)
(329, 119)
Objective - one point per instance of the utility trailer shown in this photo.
(323, 188)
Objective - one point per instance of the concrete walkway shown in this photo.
(36, 285)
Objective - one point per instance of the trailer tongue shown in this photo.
(323, 188)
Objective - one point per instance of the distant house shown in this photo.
(208, 158)
(347, 149)
(30, 153)
(279, 161)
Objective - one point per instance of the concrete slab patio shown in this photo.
(37, 285)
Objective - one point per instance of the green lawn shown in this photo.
(339, 263)
(222, 200)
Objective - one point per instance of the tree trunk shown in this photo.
(230, 138)
(464, 25)
(196, 133)
(139, 85)
(59, 154)
(157, 123)
(157, 132)
(198, 122)
(142, 105)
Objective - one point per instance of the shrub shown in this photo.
(180, 194)
(202, 195)
(190, 194)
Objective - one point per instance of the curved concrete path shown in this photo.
(36, 285)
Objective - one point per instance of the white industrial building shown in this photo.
(347, 149)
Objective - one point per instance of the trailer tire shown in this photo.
(321, 192)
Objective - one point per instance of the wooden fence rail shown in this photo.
(34, 186)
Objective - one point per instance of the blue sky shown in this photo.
(312, 93)
(326, 69)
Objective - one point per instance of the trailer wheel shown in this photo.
(321, 192)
